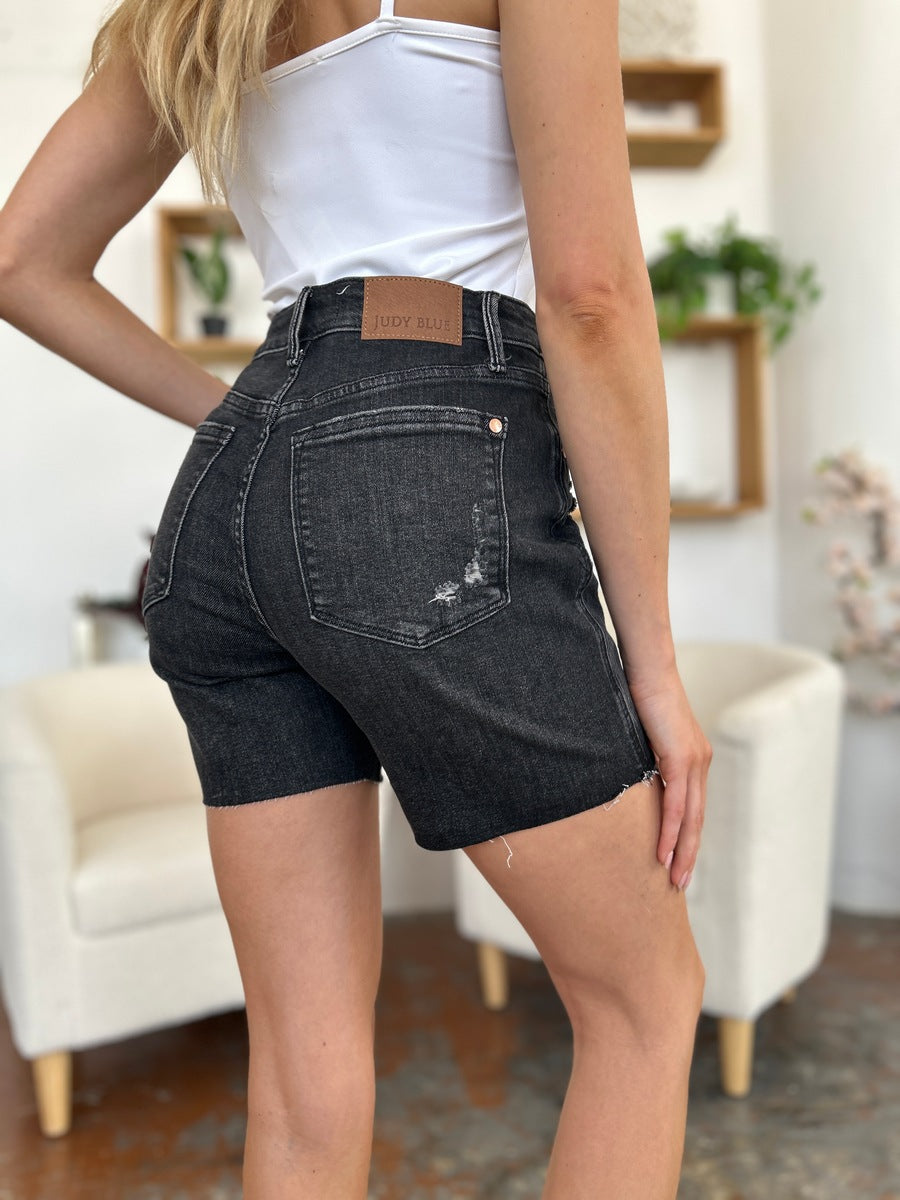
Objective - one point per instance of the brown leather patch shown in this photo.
(409, 306)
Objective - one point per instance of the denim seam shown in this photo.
(379, 419)
(293, 507)
(280, 347)
(490, 302)
(219, 435)
(243, 495)
(488, 329)
(603, 636)
(397, 640)
(295, 351)
(387, 381)
(252, 406)
(494, 311)
(498, 471)
(259, 406)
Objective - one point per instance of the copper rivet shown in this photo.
(495, 425)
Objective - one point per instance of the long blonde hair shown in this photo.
(194, 56)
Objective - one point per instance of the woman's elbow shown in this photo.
(595, 314)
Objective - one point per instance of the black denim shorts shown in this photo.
(367, 560)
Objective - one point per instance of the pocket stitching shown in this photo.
(218, 434)
(435, 417)
(385, 380)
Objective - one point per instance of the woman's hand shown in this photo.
(684, 754)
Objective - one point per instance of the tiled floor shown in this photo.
(468, 1099)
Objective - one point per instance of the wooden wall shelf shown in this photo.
(184, 220)
(746, 335)
(662, 82)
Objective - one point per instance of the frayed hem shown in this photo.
(286, 795)
(645, 778)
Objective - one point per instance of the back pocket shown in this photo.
(210, 438)
(400, 520)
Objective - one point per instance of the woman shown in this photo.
(368, 558)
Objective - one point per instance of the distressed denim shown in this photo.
(367, 560)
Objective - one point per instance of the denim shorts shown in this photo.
(367, 560)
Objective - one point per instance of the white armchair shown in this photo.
(110, 922)
(759, 898)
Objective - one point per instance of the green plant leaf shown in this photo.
(209, 271)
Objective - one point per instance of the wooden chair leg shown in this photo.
(736, 1055)
(494, 972)
(52, 1074)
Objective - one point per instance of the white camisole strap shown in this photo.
(387, 8)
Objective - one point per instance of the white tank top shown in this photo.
(387, 152)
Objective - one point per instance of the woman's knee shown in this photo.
(321, 1088)
(659, 995)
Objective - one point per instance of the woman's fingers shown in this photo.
(674, 802)
(683, 754)
(687, 843)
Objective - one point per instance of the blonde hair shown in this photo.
(194, 57)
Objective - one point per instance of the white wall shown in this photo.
(836, 188)
(835, 96)
(722, 572)
(85, 470)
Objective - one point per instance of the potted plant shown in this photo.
(746, 274)
(678, 279)
(763, 281)
(212, 277)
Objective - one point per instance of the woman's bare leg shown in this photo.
(300, 882)
(614, 934)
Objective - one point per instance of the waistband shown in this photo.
(338, 304)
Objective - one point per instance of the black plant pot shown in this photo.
(214, 326)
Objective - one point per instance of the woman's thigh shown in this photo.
(589, 891)
(299, 880)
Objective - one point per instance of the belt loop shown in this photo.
(294, 330)
(490, 311)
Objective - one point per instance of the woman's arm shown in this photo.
(90, 175)
(598, 331)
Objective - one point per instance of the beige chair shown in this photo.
(759, 898)
(110, 921)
